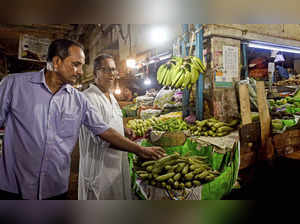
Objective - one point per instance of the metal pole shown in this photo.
(184, 52)
(200, 82)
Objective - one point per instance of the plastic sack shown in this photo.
(145, 114)
(178, 96)
(144, 100)
(163, 97)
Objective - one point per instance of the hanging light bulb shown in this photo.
(147, 81)
(117, 89)
(131, 63)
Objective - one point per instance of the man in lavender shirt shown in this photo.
(42, 114)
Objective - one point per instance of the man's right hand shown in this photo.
(151, 152)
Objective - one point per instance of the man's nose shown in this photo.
(80, 71)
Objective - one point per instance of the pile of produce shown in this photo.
(284, 108)
(293, 81)
(175, 171)
(140, 126)
(212, 127)
(283, 112)
(209, 127)
(172, 124)
(180, 72)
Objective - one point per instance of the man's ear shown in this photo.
(56, 62)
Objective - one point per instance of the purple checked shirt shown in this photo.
(41, 130)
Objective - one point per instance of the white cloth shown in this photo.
(103, 171)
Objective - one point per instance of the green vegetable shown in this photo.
(144, 176)
(176, 184)
(177, 176)
(188, 184)
(185, 170)
(149, 168)
(233, 123)
(224, 129)
(180, 167)
(189, 176)
(164, 177)
(196, 182)
(144, 164)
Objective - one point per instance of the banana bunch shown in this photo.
(140, 126)
(212, 127)
(180, 72)
(171, 125)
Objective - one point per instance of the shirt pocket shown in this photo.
(68, 125)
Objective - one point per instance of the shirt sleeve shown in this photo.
(92, 119)
(6, 87)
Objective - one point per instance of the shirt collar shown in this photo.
(40, 79)
(69, 88)
(96, 89)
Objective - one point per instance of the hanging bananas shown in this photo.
(180, 72)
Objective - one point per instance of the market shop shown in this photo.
(223, 101)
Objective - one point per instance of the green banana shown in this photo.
(179, 73)
(187, 79)
(165, 76)
(181, 79)
(198, 63)
(195, 75)
(160, 73)
(169, 76)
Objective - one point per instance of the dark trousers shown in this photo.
(4, 195)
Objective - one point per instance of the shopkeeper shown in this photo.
(42, 114)
(103, 174)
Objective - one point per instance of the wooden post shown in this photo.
(267, 150)
(245, 104)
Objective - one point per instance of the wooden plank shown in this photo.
(245, 104)
(247, 159)
(250, 133)
(264, 117)
(263, 109)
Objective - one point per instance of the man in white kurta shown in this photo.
(103, 171)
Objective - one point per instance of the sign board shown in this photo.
(230, 63)
(32, 48)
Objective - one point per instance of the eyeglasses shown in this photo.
(112, 71)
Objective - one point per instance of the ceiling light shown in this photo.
(274, 47)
